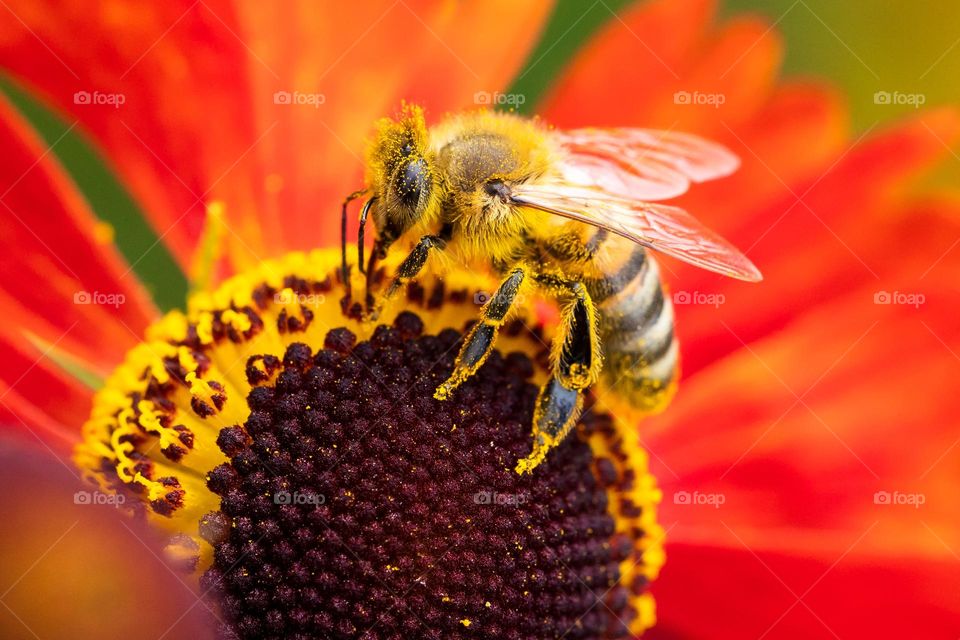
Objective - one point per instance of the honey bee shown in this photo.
(571, 213)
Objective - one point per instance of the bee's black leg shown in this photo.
(479, 342)
(370, 274)
(344, 267)
(576, 363)
(361, 230)
(408, 270)
(554, 416)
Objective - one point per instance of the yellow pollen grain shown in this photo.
(150, 421)
(239, 321)
(200, 388)
(186, 359)
(205, 328)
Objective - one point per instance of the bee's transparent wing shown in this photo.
(664, 228)
(641, 164)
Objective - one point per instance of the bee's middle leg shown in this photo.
(576, 360)
(479, 342)
(408, 269)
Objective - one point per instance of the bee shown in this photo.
(571, 213)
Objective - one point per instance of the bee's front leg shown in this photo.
(576, 362)
(344, 267)
(479, 342)
(408, 269)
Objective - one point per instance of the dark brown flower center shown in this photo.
(354, 505)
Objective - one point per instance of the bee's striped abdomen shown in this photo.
(636, 331)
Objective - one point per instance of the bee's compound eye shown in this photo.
(406, 149)
(412, 181)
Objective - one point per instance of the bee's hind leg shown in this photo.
(576, 365)
(554, 416)
(479, 342)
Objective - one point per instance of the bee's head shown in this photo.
(401, 175)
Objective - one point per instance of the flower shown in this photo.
(811, 410)
(295, 470)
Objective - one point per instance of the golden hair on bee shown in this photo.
(481, 152)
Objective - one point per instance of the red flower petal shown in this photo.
(63, 284)
(735, 592)
(37, 397)
(734, 74)
(58, 249)
(828, 442)
(798, 431)
(843, 216)
(672, 67)
(641, 52)
(279, 168)
(34, 421)
(315, 154)
(790, 141)
(173, 64)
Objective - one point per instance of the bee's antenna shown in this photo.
(344, 268)
(360, 232)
